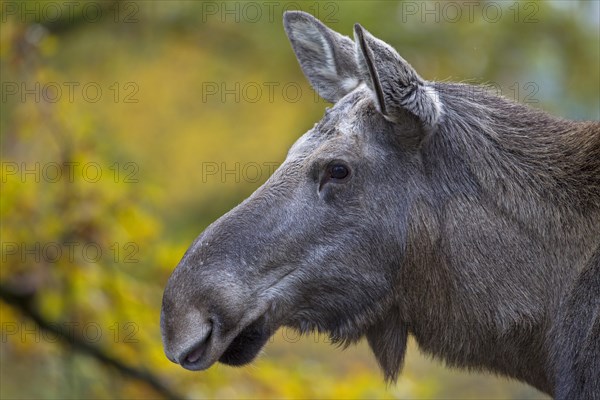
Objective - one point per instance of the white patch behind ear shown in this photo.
(349, 84)
(436, 103)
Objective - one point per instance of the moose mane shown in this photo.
(520, 152)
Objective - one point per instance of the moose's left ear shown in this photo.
(326, 57)
(395, 84)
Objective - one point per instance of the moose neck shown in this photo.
(510, 215)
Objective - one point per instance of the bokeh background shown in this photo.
(127, 127)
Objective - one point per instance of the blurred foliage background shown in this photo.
(127, 127)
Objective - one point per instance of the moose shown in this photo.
(432, 209)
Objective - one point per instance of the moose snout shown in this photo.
(202, 310)
(211, 312)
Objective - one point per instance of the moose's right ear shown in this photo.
(395, 84)
(327, 58)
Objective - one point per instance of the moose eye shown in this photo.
(338, 171)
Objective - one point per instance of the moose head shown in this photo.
(412, 207)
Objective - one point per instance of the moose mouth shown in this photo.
(244, 348)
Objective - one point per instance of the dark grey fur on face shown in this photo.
(435, 210)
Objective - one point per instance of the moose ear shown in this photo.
(327, 58)
(395, 84)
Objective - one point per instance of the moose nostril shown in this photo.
(196, 354)
(197, 351)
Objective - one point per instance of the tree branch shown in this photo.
(24, 303)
